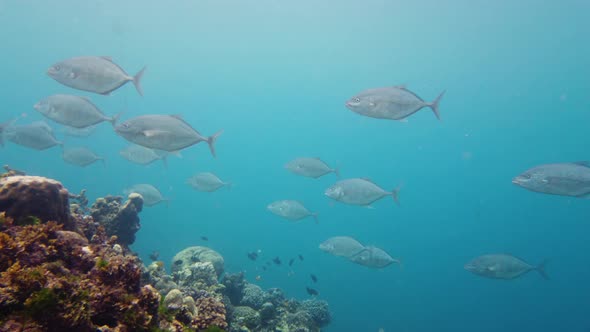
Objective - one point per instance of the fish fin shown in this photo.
(211, 141)
(584, 163)
(404, 120)
(315, 217)
(229, 185)
(165, 162)
(401, 86)
(104, 162)
(177, 116)
(395, 194)
(434, 105)
(137, 80)
(368, 179)
(176, 154)
(85, 98)
(337, 172)
(72, 75)
(151, 133)
(106, 57)
(113, 120)
(370, 207)
(399, 262)
(541, 269)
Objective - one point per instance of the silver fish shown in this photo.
(206, 181)
(3, 127)
(343, 246)
(310, 167)
(359, 191)
(72, 111)
(292, 210)
(37, 135)
(374, 257)
(80, 156)
(151, 195)
(502, 266)
(97, 74)
(163, 132)
(394, 103)
(142, 155)
(565, 179)
(78, 132)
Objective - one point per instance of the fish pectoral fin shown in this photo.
(152, 133)
(108, 58)
(72, 75)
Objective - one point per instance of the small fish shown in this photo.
(79, 132)
(142, 155)
(178, 262)
(312, 291)
(37, 135)
(258, 278)
(313, 278)
(359, 191)
(565, 179)
(291, 261)
(310, 167)
(72, 111)
(3, 127)
(204, 238)
(98, 74)
(277, 260)
(503, 266)
(300, 257)
(253, 255)
(207, 182)
(151, 195)
(373, 257)
(80, 156)
(292, 210)
(154, 255)
(343, 246)
(163, 132)
(393, 103)
(263, 268)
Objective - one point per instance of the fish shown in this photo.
(207, 182)
(151, 195)
(37, 135)
(342, 246)
(154, 255)
(163, 132)
(80, 156)
(79, 132)
(72, 111)
(564, 179)
(3, 127)
(291, 210)
(253, 255)
(359, 191)
(204, 238)
(393, 103)
(98, 74)
(277, 260)
(312, 291)
(310, 167)
(373, 257)
(313, 278)
(143, 156)
(503, 266)
(291, 261)
(300, 257)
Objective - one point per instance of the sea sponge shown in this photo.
(27, 199)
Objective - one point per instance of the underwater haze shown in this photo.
(275, 76)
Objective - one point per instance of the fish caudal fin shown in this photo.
(336, 171)
(541, 269)
(103, 161)
(434, 105)
(211, 141)
(315, 217)
(113, 120)
(395, 194)
(137, 81)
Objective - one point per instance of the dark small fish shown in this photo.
(178, 262)
(204, 238)
(312, 291)
(253, 255)
(277, 260)
(300, 257)
(291, 261)
(263, 267)
(154, 255)
(313, 278)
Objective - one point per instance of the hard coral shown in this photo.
(27, 198)
(210, 312)
(118, 219)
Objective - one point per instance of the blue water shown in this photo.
(275, 75)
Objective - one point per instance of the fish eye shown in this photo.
(526, 176)
(57, 68)
(125, 125)
(357, 99)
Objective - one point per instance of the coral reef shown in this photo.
(118, 219)
(56, 280)
(191, 255)
(35, 199)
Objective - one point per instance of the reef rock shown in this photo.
(118, 219)
(246, 316)
(191, 255)
(34, 199)
(253, 296)
(173, 300)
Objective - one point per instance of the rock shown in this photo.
(318, 311)
(246, 316)
(191, 255)
(234, 286)
(29, 198)
(173, 300)
(253, 296)
(118, 219)
(267, 311)
(165, 285)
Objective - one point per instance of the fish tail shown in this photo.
(211, 141)
(104, 161)
(434, 105)
(315, 217)
(229, 185)
(541, 269)
(399, 262)
(137, 80)
(395, 194)
(113, 120)
(336, 171)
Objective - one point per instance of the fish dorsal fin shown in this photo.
(368, 180)
(584, 163)
(106, 57)
(400, 86)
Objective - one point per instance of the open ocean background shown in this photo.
(275, 75)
